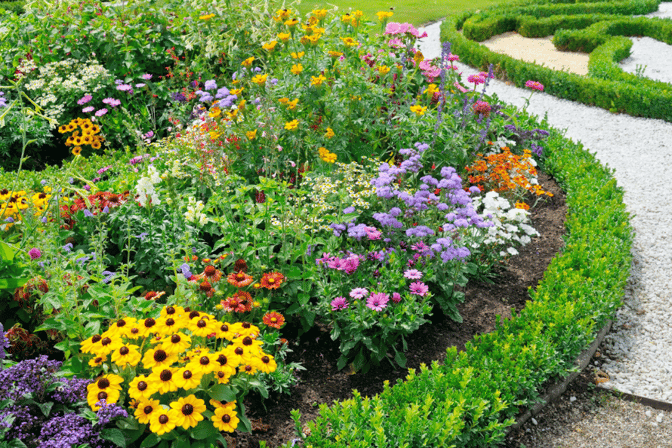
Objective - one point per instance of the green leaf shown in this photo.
(400, 358)
(45, 407)
(12, 283)
(150, 441)
(304, 298)
(342, 361)
(204, 430)
(223, 393)
(182, 443)
(359, 361)
(6, 251)
(114, 435)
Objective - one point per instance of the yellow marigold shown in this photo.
(260, 80)
(358, 13)
(383, 69)
(291, 23)
(522, 205)
(283, 100)
(215, 112)
(283, 13)
(335, 54)
(291, 105)
(237, 91)
(317, 80)
(349, 41)
(297, 69)
(298, 55)
(418, 57)
(292, 125)
(330, 133)
(383, 15)
(270, 46)
(284, 36)
(207, 17)
(319, 13)
(346, 18)
(251, 135)
(431, 89)
(419, 110)
(247, 62)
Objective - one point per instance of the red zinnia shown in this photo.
(272, 280)
(273, 319)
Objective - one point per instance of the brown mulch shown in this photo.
(321, 382)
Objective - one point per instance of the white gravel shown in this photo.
(638, 350)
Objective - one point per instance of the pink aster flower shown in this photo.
(125, 87)
(359, 293)
(396, 43)
(88, 109)
(393, 28)
(534, 85)
(372, 233)
(339, 303)
(85, 99)
(101, 112)
(476, 79)
(378, 301)
(413, 274)
(34, 253)
(453, 57)
(147, 76)
(396, 297)
(419, 288)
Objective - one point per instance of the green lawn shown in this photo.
(417, 12)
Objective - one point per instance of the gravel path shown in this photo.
(636, 353)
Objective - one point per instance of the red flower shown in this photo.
(273, 319)
(272, 280)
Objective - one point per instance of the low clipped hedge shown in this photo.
(607, 85)
(15, 7)
(472, 398)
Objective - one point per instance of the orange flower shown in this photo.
(272, 280)
(273, 319)
(239, 279)
(212, 274)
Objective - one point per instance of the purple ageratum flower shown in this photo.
(378, 301)
(413, 274)
(109, 412)
(210, 85)
(179, 97)
(88, 214)
(68, 247)
(359, 293)
(348, 210)
(85, 99)
(147, 76)
(88, 109)
(185, 271)
(106, 209)
(339, 303)
(419, 289)
(101, 112)
(34, 253)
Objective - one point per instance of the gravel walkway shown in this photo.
(636, 353)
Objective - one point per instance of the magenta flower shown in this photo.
(396, 297)
(413, 274)
(359, 293)
(88, 109)
(419, 289)
(125, 87)
(482, 108)
(393, 28)
(101, 112)
(372, 233)
(453, 57)
(102, 170)
(476, 79)
(534, 85)
(147, 76)
(378, 301)
(85, 99)
(112, 102)
(34, 253)
(339, 303)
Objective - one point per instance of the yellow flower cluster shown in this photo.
(88, 136)
(326, 156)
(384, 15)
(419, 110)
(207, 17)
(12, 204)
(169, 354)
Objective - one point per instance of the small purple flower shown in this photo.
(125, 87)
(101, 112)
(359, 293)
(44, 220)
(68, 247)
(378, 301)
(142, 237)
(106, 209)
(413, 274)
(105, 168)
(140, 85)
(147, 76)
(88, 109)
(396, 297)
(185, 271)
(339, 303)
(88, 214)
(85, 99)
(112, 102)
(210, 84)
(348, 210)
(34, 253)
(419, 288)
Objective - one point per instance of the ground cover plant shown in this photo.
(283, 174)
(598, 28)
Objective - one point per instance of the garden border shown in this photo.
(616, 92)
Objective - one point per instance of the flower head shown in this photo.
(534, 85)
(413, 274)
(273, 319)
(419, 288)
(189, 411)
(339, 303)
(377, 301)
(34, 253)
(359, 293)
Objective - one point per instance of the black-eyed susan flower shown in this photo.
(223, 332)
(173, 311)
(203, 363)
(175, 343)
(187, 379)
(107, 345)
(77, 150)
(164, 379)
(266, 364)
(94, 396)
(121, 327)
(226, 361)
(147, 326)
(189, 411)
(158, 358)
(126, 354)
(169, 325)
(91, 344)
(225, 418)
(162, 421)
(244, 329)
(249, 368)
(141, 388)
(204, 326)
(97, 361)
(222, 376)
(144, 410)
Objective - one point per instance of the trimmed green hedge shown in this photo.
(15, 7)
(471, 399)
(607, 86)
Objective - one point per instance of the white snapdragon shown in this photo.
(145, 188)
(195, 213)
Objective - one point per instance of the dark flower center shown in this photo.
(148, 410)
(170, 322)
(265, 359)
(205, 287)
(96, 338)
(221, 374)
(163, 419)
(187, 374)
(194, 314)
(239, 351)
(135, 330)
(102, 395)
(121, 323)
(224, 327)
(170, 310)
(103, 383)
(166, 375)
(201, 324)
(221, 359)
(248, 368)
(98, 360)
(187, 409)
(175, 338)
(210, 270)
(247, 340)
(149, 322)
(106, 341)
(226, 418)
(246, 325)
(160, 355)
(204, 361)
(142, 386)
(124, 351)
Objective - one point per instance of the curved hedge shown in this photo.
(471, 399)
(601, 31)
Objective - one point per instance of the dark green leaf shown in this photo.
(114, 435)
(223, 393)
(150, 441)
(204, 430)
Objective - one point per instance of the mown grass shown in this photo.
(417, 12)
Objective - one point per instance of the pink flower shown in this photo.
(88, 109)
(393, 28)
(396, 43)
(378, 301)
(101, 112)
(534, 85)
(34, 253)
(85, 99)
(396, 297)
(476, 79)
(419, 288)
(339, 303)
(460, 88)
(413, 274)
(372, 233)
(453, 57)
(482, 108)
(359, 293)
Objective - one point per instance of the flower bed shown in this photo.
(321, 175)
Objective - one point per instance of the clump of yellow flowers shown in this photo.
(12, 204)
(84, 132)
(169, 366)
(326, 156)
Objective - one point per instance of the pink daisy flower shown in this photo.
(396, 297)
(413, 274)
(339, 303)
(378, 301)
(359, 293)
(419, 289)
